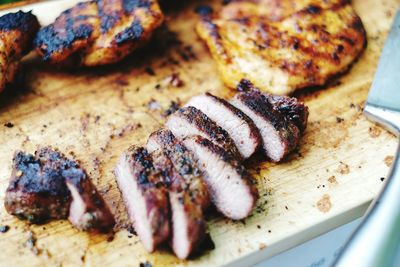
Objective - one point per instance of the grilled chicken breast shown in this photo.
(273, 10)
(17, 31)
(99, 32)
(280, 52)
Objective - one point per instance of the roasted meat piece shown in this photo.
(145, 196)
(290, 107)
(189, 121)
(99, 32)
(231, 188)
(188, 194)
(37, 190)
(43, 185)
(279, 55)
(88, 210)
(17, 31)
(280, 135)
(239, 126)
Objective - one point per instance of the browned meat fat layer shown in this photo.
(145, 196)
(230, 185)
(239, 126)
(280, 135)
(191, 121)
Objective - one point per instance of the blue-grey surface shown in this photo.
(385, 89)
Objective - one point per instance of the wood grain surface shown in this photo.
(96, 114)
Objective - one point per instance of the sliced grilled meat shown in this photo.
(239, 126)
(184, 162)
(17, 31)
(43, 185)
(280, 135)
(188, 194)
(99, 32)
(145, 196)
(230, 185)
(88, 210)
(189, 121)
(290, 107)
(37, 190)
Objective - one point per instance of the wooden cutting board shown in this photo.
(97, 113)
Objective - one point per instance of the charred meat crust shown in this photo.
(290, 107)
(259, 103)
(209, 128)
(94, 31)
(185, 164)
(26, 23)
(38, 190)
(188, 225)
(154, 227)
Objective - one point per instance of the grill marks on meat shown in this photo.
(196, 160)
(280, 135)
(43, 185)
(189, 121)
(282, 52)
(240, 127)
(230, 185)
(99, 32)
(188, 194)
(17, 31)
(145, 196)
(273, 10)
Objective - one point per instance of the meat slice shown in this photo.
(37, 190)
(230, 185)
(144, 195)
(189, 121)
(240, 127)
(43, 185)
(88, 210)
(188, 194)
(290, 107)
(280, 135)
